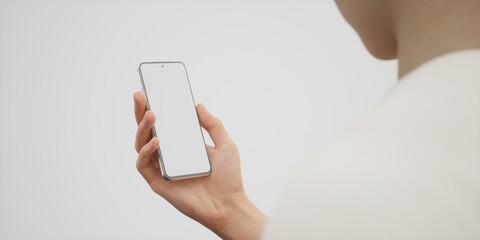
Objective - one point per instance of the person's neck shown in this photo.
(427, 29)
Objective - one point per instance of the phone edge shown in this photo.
(162, 165)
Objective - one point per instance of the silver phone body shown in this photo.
(182, 152)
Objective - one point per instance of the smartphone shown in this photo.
(182, 152)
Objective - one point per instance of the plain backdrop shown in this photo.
(284, 76)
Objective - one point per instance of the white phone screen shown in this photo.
(182, 152)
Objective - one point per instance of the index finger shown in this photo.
(140, 106)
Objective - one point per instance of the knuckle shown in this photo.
(142, 155)
(137, 165)
(218, 122)
(143, 150)
(137, 147)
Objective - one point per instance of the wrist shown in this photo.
(242, 220)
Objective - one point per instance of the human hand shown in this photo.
(217, 201)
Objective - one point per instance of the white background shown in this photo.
(284, 76)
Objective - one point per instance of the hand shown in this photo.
(217, 201)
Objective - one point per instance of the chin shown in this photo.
(381, 48)
(383, 54)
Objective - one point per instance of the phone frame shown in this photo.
(154, 133)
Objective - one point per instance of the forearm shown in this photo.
(244, 221)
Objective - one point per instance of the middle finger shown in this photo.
(144, 130)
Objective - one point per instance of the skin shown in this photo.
(414, 31)
(217, 201)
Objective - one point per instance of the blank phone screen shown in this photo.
(182, 152)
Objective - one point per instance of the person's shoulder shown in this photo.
(410, 163)
(454, 71)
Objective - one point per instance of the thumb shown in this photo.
(213, 125)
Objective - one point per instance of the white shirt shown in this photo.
(409, 169)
